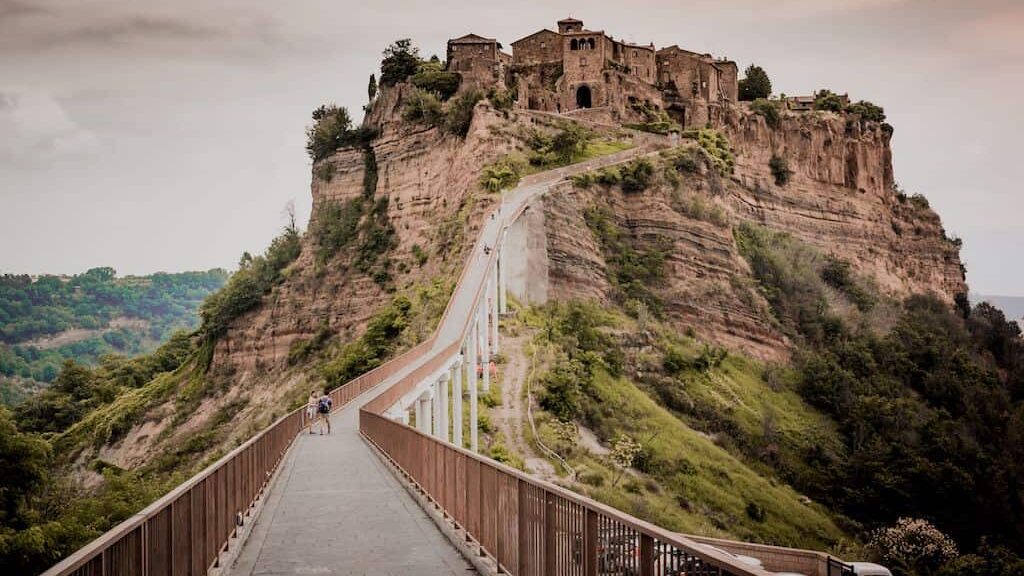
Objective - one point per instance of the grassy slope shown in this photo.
(697, 482)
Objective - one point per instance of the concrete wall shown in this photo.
(525, 257)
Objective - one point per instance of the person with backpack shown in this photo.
(323, 408)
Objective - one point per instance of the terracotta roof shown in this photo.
(570, 20)
(471, 39)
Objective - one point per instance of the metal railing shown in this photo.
(184, 532)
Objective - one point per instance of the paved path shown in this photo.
(335, 508)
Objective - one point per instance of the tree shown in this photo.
(401, 60)
(623, 455)
(25, 460)
(828, 100)
(371, 89)
(756, 84)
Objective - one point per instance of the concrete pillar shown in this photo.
(485, 349)
(442, 400)
(474, 357)
(502, 280)
(457, 402)
(494, 311)
(405, 417)
(436, 408)
(424, 413)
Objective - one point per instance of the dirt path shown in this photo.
(510, 417)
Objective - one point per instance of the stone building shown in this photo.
(479, 61)
(576, 70)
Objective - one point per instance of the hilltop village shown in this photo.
(580, 69)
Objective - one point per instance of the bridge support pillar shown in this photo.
(494, 311)
(502, 280)
(424, 412)
(443, 408)
(484, 333)
(474, 360)
(457, 402)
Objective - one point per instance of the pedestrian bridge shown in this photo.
(378, 496)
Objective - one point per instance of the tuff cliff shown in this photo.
(839, 198)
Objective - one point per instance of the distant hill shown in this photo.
(1012, 306)
(45, 320)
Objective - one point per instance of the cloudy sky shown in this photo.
(169, 135)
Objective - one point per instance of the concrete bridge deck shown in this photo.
(335, 509)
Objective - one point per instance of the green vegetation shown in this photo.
(454, 117)
(443, 84)
(756, 84)
(503, 174)
(830, 101)
(930, 410)
(660, 468)
(633, 266)
(401, 60)
(769, 109)
(780, 169)
(716, 147)
(371, 88)
(255, 278)
(332, 130)
(656, 120)
(33, 311)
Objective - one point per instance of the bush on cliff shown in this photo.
(332, 130)
(439, 82)
(246, 288)
(756, 84)
(780, 169)
(454, 117)
(401, 60)
(829, 101)
(867, 111)
(768, 109)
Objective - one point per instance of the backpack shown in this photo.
(324, 405)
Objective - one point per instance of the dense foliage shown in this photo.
(401, 60)
(453, 117)
(145, 311)
(756, 84)
(332, 130)
(769, 109)
(255, 277)
(634, 266)
(931, 411)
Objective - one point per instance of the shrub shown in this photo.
(867, 111)
(913, 546)
(460, 112)
(756, 84)
(401, 60)
(829, 101)
(768, 109)
(419, 254)
(501, 99)
(561, 394)
(246, 287)
(919, 201)
(373, 347)
(423, 107)
(501, 175)
(443, 84)
(332, 130)
(716, 148)
(336, 226)
(780, 169)
(837, 273)
(656, 120)
(637, 175)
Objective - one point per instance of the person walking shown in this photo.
(323, 407)
(311, 403)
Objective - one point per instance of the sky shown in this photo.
(166, 136)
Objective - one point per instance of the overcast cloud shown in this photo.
(169, 135)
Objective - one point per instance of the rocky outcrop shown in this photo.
(841, 199)
(431, 180)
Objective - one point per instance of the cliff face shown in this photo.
(839, 199)
(434, 199)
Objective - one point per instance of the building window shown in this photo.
(543, 45)
(574, 44)
(583, 61)
(590, 43)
